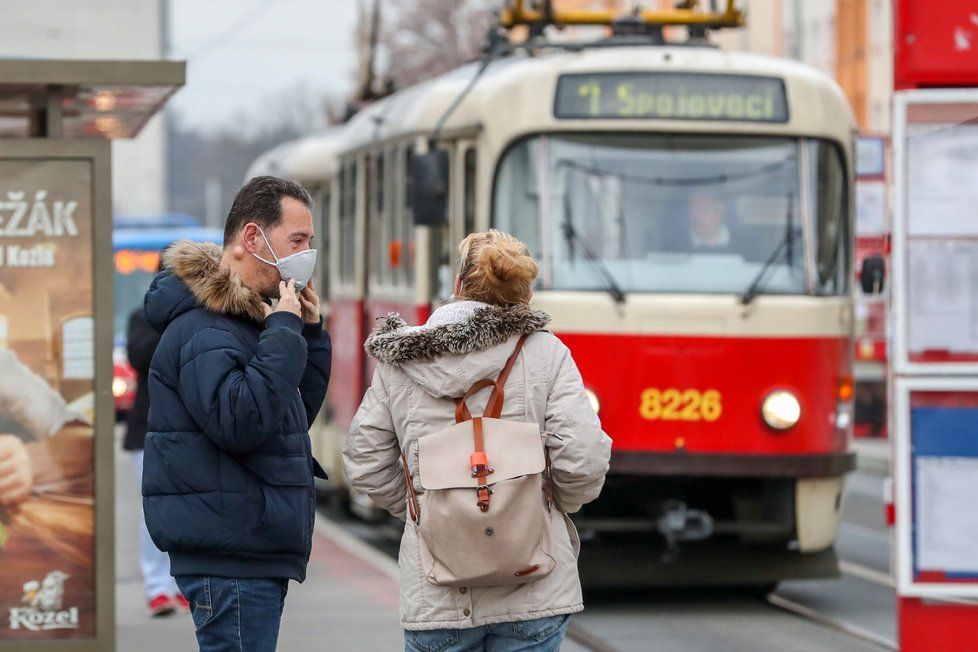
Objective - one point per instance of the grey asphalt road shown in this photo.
(709, 620)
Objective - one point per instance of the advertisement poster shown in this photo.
(47, 369)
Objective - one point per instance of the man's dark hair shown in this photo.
(260, 201)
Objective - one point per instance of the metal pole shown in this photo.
(52, 127)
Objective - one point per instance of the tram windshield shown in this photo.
(678, 213)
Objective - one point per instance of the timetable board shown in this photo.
(935, 232)
(936, 473)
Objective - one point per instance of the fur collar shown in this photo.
(198, 265)
(454, 329)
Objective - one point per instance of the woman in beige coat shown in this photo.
(421, 370)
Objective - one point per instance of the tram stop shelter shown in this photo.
(56, 544)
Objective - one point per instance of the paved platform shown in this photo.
(348, 601)
(872, 455)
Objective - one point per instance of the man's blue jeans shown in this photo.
(242, 615)
(539, 635)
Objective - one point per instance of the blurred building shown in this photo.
(848, 39)
(101, 29)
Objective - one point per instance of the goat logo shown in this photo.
(43, 601)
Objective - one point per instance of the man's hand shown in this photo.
(16, 471)
(287, 300)
(310, 304)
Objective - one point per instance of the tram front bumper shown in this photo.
(647, 463)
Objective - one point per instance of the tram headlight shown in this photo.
(781, 409)
(595, 403)
(119, 386)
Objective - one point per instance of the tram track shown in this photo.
(588, 640)
(784, 604)
(864, 573)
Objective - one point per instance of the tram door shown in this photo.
(372, 253)
(347, 291)
(323, 207)
(462, 215)
(388, 247)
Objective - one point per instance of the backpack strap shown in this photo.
(478, 461)
(414, 509)
(495, 405)
(479, 464)
(548, 480)
(461, 409)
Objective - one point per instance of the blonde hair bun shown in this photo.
(496, 268)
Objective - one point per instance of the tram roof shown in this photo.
(302, 159)
(818, 106)
(272, 162)
(417, 109)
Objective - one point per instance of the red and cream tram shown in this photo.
(690, 209)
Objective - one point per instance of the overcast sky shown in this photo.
(240, 52)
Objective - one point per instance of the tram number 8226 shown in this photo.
(672, 404)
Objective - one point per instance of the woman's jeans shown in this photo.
(539, 635)
(235, 613)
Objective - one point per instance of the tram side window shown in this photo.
(379, 226)
(407, 220)
(468, 197)
(325, 213)
(393, 242)
(832, 223)
(516, 200)
(348, 194)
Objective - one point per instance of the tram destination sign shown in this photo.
(671, 96)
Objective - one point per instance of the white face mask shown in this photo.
(298, 267)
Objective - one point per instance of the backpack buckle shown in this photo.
(479, 463)
(483, 491)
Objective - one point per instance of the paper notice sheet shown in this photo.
(943, 296)
(942, 180)
(947, 522)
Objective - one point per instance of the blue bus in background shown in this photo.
(137, 242)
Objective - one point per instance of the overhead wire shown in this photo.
(244, 21)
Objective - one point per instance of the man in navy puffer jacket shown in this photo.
(228, 486)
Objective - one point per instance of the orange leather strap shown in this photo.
(461, 409)
(548, 480)
(481, 471)
(495, 405)
(478, 461)
(413, 508)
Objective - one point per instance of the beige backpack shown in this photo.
(484, 516)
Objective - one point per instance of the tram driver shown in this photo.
(708, 229)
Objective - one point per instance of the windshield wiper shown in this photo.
(787, 243)
(573, 238)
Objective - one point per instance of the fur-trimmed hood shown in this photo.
(461, 343)
(453, 329)
(193, 276)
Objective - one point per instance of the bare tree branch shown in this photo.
(420, 39)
